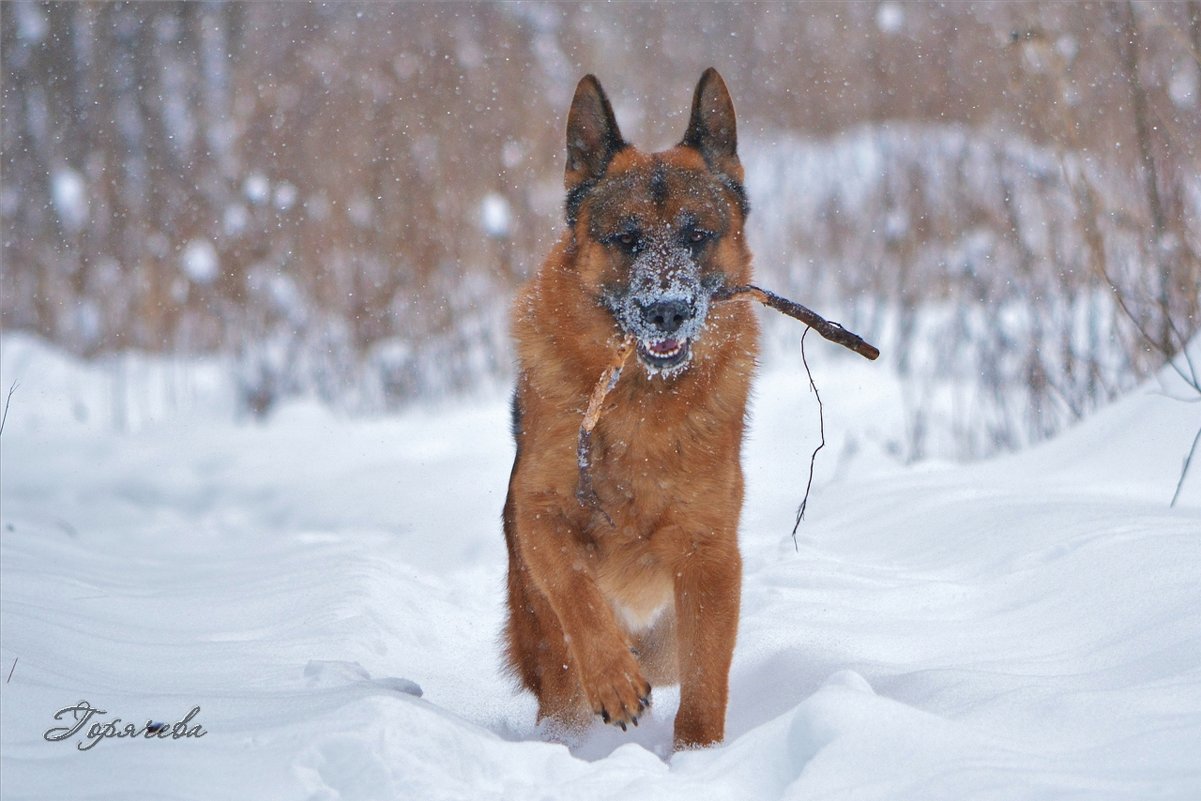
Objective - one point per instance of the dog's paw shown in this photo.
(617, 691)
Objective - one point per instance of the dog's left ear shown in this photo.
(712, 129)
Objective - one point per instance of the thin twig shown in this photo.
(1184, 470)
(7, 400)
(821, 422)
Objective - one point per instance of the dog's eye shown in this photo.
(697, 236)
(628, 241)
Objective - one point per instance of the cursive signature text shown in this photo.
(84, 713)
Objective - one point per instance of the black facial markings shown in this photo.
(611, 195)
(658, 184)
(744, 202)
(575, 199)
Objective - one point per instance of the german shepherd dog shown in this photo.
(606, 602)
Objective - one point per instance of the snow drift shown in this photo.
(329, 593)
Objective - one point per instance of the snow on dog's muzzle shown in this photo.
(664, 308)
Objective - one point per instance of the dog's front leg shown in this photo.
(561, 568)
(707, 593)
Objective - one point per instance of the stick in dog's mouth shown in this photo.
(827, 328)
(585, 492)
(671, 350)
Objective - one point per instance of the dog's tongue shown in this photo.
(664, 346)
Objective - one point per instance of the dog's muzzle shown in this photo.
(663, 307)
(666, 319)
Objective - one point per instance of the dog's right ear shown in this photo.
(592, 135)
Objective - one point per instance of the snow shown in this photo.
(495, 216)
(31, 23)
(285, 195)
(329, 593)
(200, 261)
(890, 17)
(257, 188)
(70, 198)
(1182, 87)
(235, 219)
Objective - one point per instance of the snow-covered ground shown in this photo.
(329, 593)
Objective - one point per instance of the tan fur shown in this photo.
(597, 611)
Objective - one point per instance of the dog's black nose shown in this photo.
(667, 315)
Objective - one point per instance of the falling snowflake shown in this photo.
(890, 17)
(495, 217)
(200, 261)
(70, 198)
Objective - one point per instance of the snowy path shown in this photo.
(1027, 628)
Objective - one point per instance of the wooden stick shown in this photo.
(585, 493)
(830, 330)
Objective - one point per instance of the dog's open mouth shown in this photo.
(664, 354)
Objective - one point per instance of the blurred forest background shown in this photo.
(339, 199)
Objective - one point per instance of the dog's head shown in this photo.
(657, 234)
